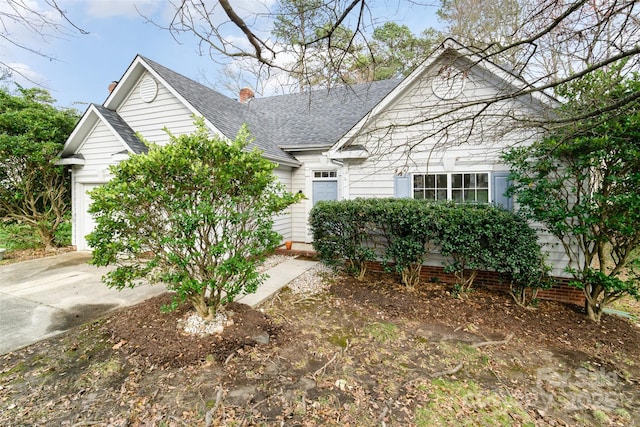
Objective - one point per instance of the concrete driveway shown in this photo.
(47, 296)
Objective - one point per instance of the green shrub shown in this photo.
(517, 256)
(465, 235)
(62, 235)
(340, 234)
(403, 232)
(411, 230)
(15, 236)
(483, 237)
(195, 214)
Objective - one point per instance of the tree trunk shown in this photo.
(411, 276)
(594, 312)
(46, 238)
(594, 309)
(199, 302)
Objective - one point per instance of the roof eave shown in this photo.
(69, 161)
(311, 147)
(283, 162)
(348, 155)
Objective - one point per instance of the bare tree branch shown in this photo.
(21, 15)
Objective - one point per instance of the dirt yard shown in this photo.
(360, 354)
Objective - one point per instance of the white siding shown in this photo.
(282, 223)
(150, 118)
(408, 137)
(98, 150)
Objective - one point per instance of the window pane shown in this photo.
(469, 195)
(469, 180)
(418, 181)
(431, 181)
(442, 195)
(430, 194)
(483, 180)
(456, 180)
(483, 196)
(456, 195)
(442, 181)
(418, 194)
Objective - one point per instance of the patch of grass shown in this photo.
(623, 414)
(465, 403)
(18, 368)
(601, 417)
(100, 373)
(383, 332)
(339, 340)
(627, 304)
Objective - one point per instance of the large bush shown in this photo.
(196, 214)
(34, 191)
(582, 183)
(341, 232)
(411, 229)
(402, 233)
(465, 241)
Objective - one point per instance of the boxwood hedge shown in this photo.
(402, 233)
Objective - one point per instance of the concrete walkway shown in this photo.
(44, 297)
(279, 276)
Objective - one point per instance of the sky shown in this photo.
(84, 65)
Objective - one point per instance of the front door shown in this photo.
(325, 190)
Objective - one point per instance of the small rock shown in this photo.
(262, 339)
(306, 384)
(271, 369)
(241, 396)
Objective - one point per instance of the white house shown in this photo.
(431, 135)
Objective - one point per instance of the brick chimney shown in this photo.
(246, 94)
(112, 86)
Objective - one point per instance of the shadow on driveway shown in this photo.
(44, 297)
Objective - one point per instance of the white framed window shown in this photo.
(470, 187)
(325, 174)
(459, 187)
(430, 186)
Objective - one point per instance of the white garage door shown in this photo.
(84, 220)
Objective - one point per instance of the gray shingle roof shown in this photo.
(123, 129)
(318, 118)
(226, 114)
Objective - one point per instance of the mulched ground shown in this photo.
(27, 254)
(144, 331)
(549, 324)
(364, 353)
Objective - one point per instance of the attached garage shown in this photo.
(101, 140)
(84, 222)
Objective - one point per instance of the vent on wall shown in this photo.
(148, 89)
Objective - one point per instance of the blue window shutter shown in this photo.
(500, 184)
(401, 186)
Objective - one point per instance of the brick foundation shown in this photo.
(561, 291)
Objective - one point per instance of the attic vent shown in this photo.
(148, 89)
